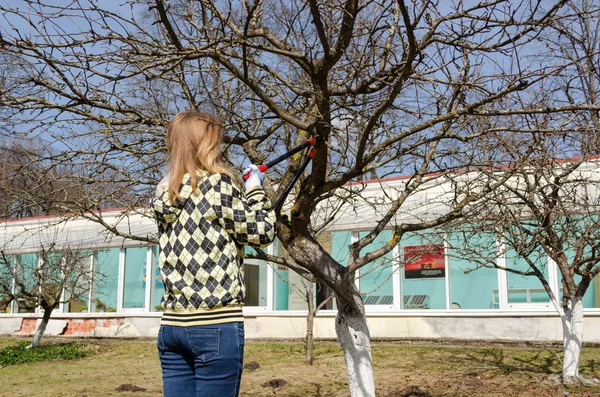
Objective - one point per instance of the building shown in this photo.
(430, 297)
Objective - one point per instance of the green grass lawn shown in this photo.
(400, 369)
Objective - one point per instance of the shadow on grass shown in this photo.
(545, 361)
(410, 391)
(535, 362)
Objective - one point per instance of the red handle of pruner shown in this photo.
(261, 168)
(309, 142)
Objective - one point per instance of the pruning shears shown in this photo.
(311, 142)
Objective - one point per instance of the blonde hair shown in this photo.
(193, 144)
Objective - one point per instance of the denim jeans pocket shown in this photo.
(160, 344)
(204, 342)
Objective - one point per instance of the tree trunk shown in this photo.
(37, 337)
(355, 339)
(310, 320)
(572, 336)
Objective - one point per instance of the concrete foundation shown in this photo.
(541, 327)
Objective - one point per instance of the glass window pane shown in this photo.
(134, 283)
(107, 284)
(590, 300)
(375, 281)
(423, 277)
(158, 288)
(472, 285)
(6, 264)
(281, 288)
(289, 288)
(77, 288)
(592, 296)
(255, 280)
(339, 246)
(26, 273)
(526, 289)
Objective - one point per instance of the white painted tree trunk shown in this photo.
(572, 323)
(355, 339)
(37, 337)
(309, 345)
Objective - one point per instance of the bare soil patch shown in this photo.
(129, 387)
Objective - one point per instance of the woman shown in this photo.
(204, 221)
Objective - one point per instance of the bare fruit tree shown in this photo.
(44, 279)
(31, 186)
(386, 87)
(314, 300)
(547, 214)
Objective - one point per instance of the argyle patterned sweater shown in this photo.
(201, 239)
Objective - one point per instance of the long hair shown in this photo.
(193, 144)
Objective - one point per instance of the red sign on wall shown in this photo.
(424, 261)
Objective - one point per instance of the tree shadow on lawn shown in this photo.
(545, 361)
(542, 362)
(498, 372)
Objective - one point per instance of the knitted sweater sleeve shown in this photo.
(248, 216)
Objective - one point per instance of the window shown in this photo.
(281, 287)
(287, 294)
(375, 278)
(76, 293)
(155, 282)
(107, 283)
(255, 277)
(423, 281)
(526, 289)
(590, 298)
(289, 289)
(6, 264)
(473, 280)
(134, 285)
(26, 265)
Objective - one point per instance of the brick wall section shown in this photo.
(75, 326)
(28, 326)
(83, 326)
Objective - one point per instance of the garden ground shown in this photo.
(402, 368)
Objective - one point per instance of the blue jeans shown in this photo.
(201, 361)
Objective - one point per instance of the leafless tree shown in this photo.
(548, 216)
(29, 187)
(548, 212)
(32, 183)
(314, 295)
(574, 42)
(387, 88)
(52, 275)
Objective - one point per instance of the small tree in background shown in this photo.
(315, 295)
(45, 279)
(548, 213)
(306, 290)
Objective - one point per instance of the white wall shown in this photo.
(540, 327)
